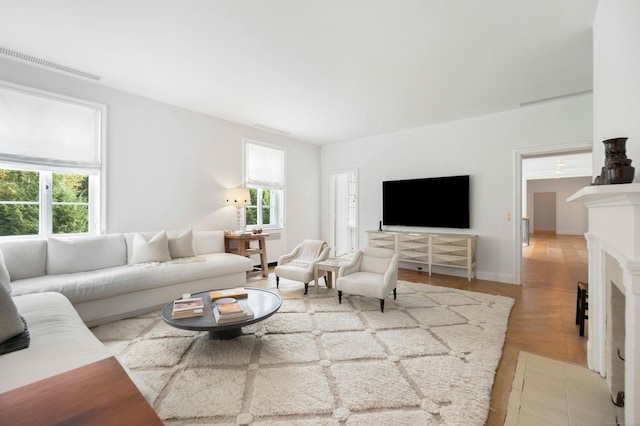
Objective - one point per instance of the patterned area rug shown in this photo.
(430, 358)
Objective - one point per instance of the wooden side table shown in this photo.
(243, 248)
(100, 393)
(331, 266)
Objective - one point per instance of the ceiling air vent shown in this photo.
(48, 64)
(270, 129)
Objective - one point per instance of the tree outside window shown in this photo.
(19, 202)
(70, 204)
(261, 211)
(25, 204)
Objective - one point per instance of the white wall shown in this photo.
(571, 218)
(616, 78)
(483, 147)
(168, 167)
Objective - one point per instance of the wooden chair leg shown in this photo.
(394, 294)
(339, 296)
(306, 288)
(578, 306)
(381, 305)
(278, 282)
(581, 306)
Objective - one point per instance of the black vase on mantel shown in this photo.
(617, 167)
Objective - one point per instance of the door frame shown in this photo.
(518, 155)
(332, 206)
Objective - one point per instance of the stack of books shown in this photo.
(187, 308)
(232, 312)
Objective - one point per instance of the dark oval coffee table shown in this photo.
(263, 303)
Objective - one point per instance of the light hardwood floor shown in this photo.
(542, 321)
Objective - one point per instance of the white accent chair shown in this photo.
(373, 272)
(299, 264)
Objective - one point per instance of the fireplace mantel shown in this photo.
(607, 194)
(614, 238)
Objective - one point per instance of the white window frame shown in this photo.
(277, 196)
(97, 176)
(45, 200)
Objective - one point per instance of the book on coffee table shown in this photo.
(187, 308)
(225, 313)
(236, 293)
(230, 308)
(188, 304)
(187, 314)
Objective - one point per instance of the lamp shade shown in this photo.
(238, 197)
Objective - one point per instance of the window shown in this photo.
(50, 164)
(64, 208)
(264, 168)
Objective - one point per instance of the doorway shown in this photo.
(544, 163)
(343, 221)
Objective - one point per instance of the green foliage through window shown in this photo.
(264, 206)
(20, 203)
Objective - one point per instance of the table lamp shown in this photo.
(238, 197)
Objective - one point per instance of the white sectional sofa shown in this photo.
(60, 286)
(113, 276)
(59, 342)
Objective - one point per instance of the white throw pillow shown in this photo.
(5, 280)
(156, 249)
(25, 258)
(182, 245)
(208, 241)
(77, 254)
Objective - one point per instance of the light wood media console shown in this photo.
(451, 250)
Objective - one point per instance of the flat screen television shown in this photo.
(446, 199)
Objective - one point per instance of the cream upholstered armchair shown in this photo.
(373, 272)
(299, 264)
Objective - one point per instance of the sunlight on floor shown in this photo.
(549, 392)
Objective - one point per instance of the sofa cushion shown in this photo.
(59, 341)
(25, 258)
(206, 242)
(85, 253)
(181, 244)
(102, 283)
(5, 280)
(10, 322)
(376, 260)
(154, 249)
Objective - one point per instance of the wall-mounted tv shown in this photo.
(440, 202)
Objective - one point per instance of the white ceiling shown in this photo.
(323, 71)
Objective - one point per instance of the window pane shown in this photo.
(19, 219)
(70, 188)
(251, 216)
(266, 216)
(70, 218)
(70, 210)
(266, 197)
(19, 195)
(18, 185)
